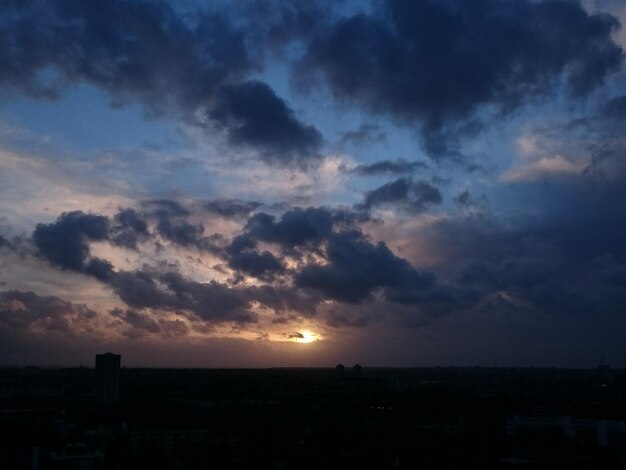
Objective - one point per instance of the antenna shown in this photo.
(602, 365)
(601, 361)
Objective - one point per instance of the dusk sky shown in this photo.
(268, 183)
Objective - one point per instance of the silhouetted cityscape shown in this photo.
(241, 234)
(340, 417)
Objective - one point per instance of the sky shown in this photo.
(270, 183)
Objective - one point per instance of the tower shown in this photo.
(108, 378)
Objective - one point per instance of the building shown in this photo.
(108, 378)
(605, 433)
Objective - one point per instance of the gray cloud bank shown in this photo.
(430, 64)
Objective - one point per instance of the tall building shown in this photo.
(108, 378)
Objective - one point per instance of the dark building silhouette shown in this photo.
(304, 418)
(108, 378)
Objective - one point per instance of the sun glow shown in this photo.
(304, 336)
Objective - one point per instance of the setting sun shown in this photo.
(305, 336)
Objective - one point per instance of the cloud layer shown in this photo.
(435, 64)
(435, 181)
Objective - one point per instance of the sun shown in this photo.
(304, 336)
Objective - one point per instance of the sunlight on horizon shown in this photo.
(306, 336)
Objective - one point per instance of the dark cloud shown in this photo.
(296, 227)
(262, 265)
(564, 260)
(531, 262)
(130, 228)
(65, 243)
(399, 166)
(170, 291)
(99, 268)
(283, 299)
(255, 116)
(209, 301)
(297, 232)
(131, 49)
(171, 224)
(342, 320)
(365, 134)
(180, 233)
(174, 328)
(281, 22)
(413, 196)
(464, 199)
(4, 243)
(537, 277)
(615, 108)
(357, 268)
(231, 207)
(19, 310)
(353, 269)
(129, 218)
(136, 319)
(152, 53)
(475, 205)
(140, 289)
(295, 335)
(436, 63)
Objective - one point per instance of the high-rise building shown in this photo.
(108, 378)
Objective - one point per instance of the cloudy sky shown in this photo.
(268, 183)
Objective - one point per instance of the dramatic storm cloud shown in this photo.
(65, 243)
(357, 267)
(263, 183)
(413, 196)
(255, 116)
(389, 166)
(433, 63)
(21, 310)
(147, 51)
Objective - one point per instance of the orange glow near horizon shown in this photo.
(307, 337)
